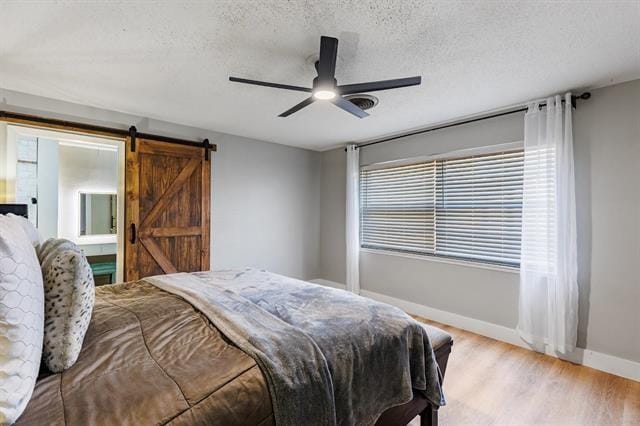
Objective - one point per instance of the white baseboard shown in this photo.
(600, 361)
(328, 283)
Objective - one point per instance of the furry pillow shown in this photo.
(69, 294)
(21, 319)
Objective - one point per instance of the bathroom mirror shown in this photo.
(98, 214)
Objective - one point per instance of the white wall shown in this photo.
(607, 161)
(84, 170)
(48, 188)
(265, 196)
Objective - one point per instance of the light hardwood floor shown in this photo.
(494, 383)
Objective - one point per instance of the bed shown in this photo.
(151, 357)
(243, 347)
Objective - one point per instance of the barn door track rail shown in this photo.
(55, 124)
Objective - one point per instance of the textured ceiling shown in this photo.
(171, 60)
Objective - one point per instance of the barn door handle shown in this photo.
(132, 233)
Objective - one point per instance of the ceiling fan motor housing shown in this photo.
(324, 86)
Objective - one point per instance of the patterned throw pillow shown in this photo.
(28, 228)
(69, 294)
(21, 319)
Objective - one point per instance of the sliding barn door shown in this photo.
(167, 209)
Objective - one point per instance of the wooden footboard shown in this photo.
(418, 406)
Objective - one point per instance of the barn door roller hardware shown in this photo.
(132, 137)
(207, 147)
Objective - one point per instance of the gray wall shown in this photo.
(265, 196)
(266, 207)
(332, 216)
(607, 163)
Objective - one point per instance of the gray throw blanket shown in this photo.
(329, 357)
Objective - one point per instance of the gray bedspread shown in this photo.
(329, 356)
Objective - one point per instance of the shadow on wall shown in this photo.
(582, 155)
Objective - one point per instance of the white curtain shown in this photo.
(548, 315)
(353, 219)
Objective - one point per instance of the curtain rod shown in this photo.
(108, 131)
(574, 98)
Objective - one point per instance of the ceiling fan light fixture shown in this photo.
(324, 95)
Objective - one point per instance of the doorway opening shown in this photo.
(73, 185)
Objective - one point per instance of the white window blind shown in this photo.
(467, 208)
(397, 208)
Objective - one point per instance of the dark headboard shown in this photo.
(17, 209)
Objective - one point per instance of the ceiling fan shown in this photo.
(325, 86)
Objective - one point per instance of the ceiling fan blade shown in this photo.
(349, 107)
(298, 107)
(373, 86)
(264, 83)
(327, 61)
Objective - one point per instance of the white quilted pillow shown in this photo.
(27, 227)
(21, 319)
(69, 293)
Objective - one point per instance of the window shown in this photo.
(461, 207)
